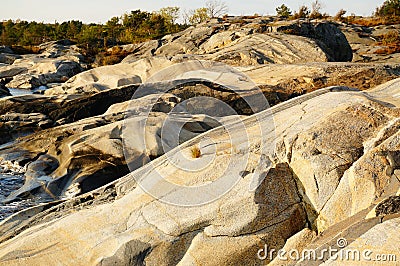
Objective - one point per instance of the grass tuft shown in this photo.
(195, 151)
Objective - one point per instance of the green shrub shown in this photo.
(390, 8)
(283, 11)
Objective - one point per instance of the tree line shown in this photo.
(132, 27)
(390, 10)
(136, 26)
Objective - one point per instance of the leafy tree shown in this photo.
(199, 15)
(91, 34)
(153, 27)
(389, 8)
(135, 19)
(283, 11)
(33, 32)
(8, 32)
(94, 38)
(113, 23)
(113, 28)
(170, 13)
(73, 29)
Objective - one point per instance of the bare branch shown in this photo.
(216, 8)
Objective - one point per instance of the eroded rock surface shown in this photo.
(56, 63)
(110, 77)
(314, 146)
(251, 43)
(130, 168)
(366, 42)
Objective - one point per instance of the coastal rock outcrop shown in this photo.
(56, 62)
(14, 125)
(88, 142)
(328, 36)
(243, 43)
(40, 72)
(110, 77)
(212, 146)
(373, 43)
(269, 198)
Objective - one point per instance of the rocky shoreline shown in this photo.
(221, 139)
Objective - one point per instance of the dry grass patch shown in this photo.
(115, 56)
(374, 21)
(391, 41)
(195, 151)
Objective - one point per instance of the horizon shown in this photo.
(76, 10)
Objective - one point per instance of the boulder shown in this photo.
(6, 49)
(111, 77)
(296, 243)
(8, 58)
(259, 49)
(56, 63)
(4, 91)
(139, 50)
(356, 239)
(62, 49)
(9, 71)
(379, 242)
(243, 47)
(328, 36)
(43, 71)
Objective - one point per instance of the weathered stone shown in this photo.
(110, 77)
(4, 91)
(6, 49)
(14, 125)
(138, 227)
(377, 245)
(241, 46)
(366, 45)
(134, 174)
(44, 71)
(388, 206)
(331, 40)
(57, 62)
(293, 246)
(7, 71)
(8, 58)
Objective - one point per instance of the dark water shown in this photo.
(12, 182)
(8, 184)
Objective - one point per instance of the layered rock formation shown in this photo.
(369, 44)
(56, 63)
(167, 160)
(313, 180)
(110, 77)
(252, 43)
